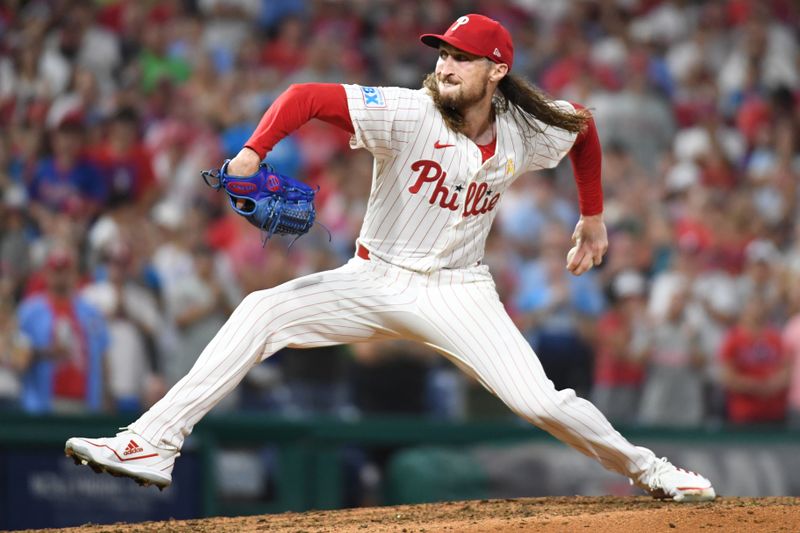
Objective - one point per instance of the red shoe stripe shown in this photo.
(115, 452)
(692, 488)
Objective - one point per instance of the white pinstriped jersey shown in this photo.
(433, 200)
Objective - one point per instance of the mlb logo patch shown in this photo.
(373, 97)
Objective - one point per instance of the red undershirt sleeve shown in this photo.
(294, 107)
(586, 157)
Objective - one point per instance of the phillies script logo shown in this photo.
(477, 201)
(242, 187)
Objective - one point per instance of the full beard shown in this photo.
(452, 106)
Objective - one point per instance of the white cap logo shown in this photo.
(496, 52)
(460, 22)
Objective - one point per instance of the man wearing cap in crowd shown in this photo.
(445, 155)
(69, 340)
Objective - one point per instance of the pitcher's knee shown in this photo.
(544, 409)
(256, 303)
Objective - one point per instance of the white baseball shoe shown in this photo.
(665, 481)
(127, 454)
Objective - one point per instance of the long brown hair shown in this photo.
(535, 103)
(516, 92)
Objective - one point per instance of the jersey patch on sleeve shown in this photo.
(373, 97)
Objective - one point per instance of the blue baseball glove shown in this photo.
(270, 201)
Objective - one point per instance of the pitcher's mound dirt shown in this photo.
(595, 515)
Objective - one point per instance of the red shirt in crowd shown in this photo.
(758, 356)
(610, 369)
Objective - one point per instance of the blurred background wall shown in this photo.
(117, 265)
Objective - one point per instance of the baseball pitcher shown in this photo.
(444, 156)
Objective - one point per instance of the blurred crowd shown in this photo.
(118, 264)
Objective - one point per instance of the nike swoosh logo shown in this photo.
(437, 145)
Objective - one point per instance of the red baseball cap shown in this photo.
(479, 35)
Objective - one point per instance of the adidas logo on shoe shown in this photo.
(132, 448)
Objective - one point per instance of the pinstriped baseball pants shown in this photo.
(456, 312)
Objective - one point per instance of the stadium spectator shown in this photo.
(69, 339)
(618, 368)
(199, 301)
(126, 165)
(755, 367)
(172, 259)
(673, 389)
(134, 323)
(67, 182)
